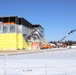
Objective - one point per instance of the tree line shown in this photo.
(68, 43)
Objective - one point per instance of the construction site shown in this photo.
(16, 33)
(24, 50)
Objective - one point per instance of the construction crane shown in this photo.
(35, 34)
(67, 35)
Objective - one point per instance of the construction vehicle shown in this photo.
(67, 35)
(36, 36)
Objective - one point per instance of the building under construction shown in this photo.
(16, 33)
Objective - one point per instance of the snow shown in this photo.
(57, 62)
(73, 46)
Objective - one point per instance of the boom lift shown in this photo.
(67, 35)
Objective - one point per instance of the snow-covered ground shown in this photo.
(60, 62)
